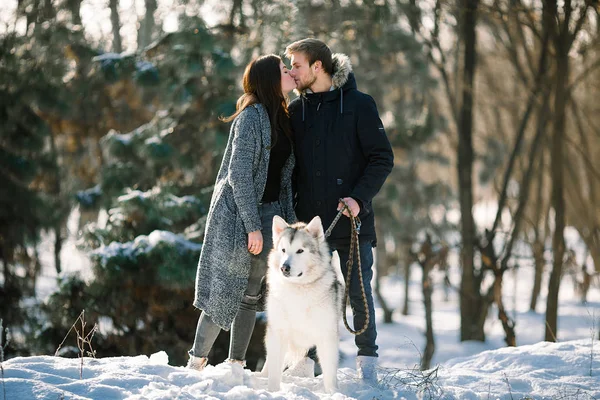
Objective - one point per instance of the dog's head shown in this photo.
(300, 253)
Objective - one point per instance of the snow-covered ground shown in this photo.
(544, 370)
(569, 369)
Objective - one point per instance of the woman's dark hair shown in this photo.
(262, 84)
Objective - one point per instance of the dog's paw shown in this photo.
(274, 387)
(330, 387)
(305, 368)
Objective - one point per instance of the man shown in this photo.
(342, 152)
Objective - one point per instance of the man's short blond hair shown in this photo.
(314, 50)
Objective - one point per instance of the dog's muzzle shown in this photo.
(285, 269)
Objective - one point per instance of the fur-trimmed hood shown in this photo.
(342, 67)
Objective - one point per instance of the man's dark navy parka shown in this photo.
(341, 151)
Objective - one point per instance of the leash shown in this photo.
(354, 247)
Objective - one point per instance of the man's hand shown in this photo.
(354, 207)
(255, 242)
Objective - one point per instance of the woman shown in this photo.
(253, 185)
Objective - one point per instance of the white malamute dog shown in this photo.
(304, 301)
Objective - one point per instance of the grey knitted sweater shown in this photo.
(224, 265)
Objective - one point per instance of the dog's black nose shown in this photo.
(285, 268)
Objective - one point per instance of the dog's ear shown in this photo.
(315, 228)
(279, 225)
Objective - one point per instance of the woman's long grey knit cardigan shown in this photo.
(224, 264)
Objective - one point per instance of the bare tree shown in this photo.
(427, 258)
(563, 28)
(379, 268)
(74, 6)
(116, 26)
(405, 250)
(540, 225)
(147, 25)
(470, 308)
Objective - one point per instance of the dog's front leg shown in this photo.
(327, 350)
(275, 356)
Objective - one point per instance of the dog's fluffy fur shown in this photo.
(304, 301)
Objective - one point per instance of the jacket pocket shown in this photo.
(228, 201)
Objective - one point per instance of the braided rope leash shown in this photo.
(354, 247)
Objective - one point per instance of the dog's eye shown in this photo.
(283, 250)
(300, 251)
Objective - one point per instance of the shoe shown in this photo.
(197, 363)
(366, 367)
(238, 362)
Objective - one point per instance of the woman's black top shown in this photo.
(279, 155)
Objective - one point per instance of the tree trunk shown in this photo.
(557, 156)
(538, 256)
(56, 193)
(407, 263)
(380, 251)
(58, 242)
(74, 7)
(236, 8)
(116, 26)
(537, 248)
(47, 13)
(507, 323)
(558, 204)
(147, 25)
(589, 189)
(470, 296)
(427, 286)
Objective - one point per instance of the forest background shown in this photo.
(110, 137)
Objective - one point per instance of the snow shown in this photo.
(170, 201)
(133, 194)
(569, 369)
(175, 201)
(126, 138)
(108, 57)
(154, 140)
(142, 244)
(144, 66)
(157, 237)
(543, 370)
(88, 196)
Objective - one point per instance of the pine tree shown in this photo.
(24, 89)
(155, 184)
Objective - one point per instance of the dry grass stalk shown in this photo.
(84, 340)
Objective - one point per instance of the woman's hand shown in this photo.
(255, 242)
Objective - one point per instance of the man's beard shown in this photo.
(302, 86)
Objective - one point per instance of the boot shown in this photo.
(366, 368)
(197, 363)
